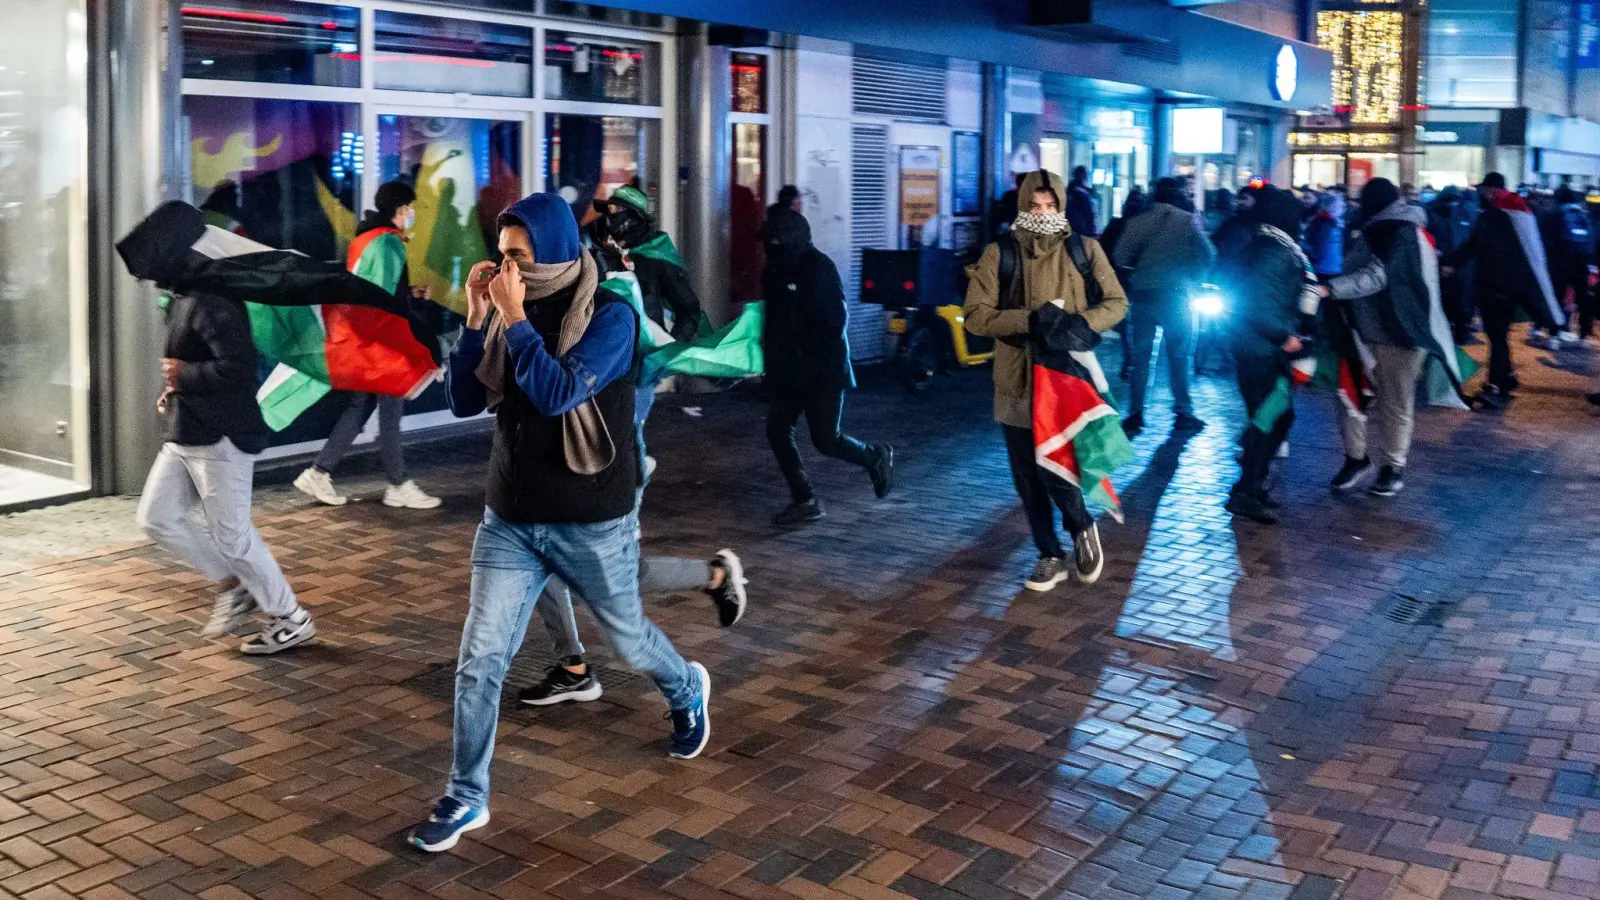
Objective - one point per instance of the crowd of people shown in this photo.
(551, 348)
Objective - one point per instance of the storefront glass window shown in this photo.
(422, 53)
(1472, 53)
(1319, 170)
(745, 207)
(44, 378)
(1363, 167)
(1445, 166)
(749, 72)
(275, 41)
(465, 171)
(601, 69)
(591, 156)
(595, 13)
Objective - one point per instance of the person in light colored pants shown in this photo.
(1394, 375)
(196, 505)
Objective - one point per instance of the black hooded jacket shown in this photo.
(803, 338)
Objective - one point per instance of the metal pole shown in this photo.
(707, 187)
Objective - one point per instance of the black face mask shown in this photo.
(627, 228)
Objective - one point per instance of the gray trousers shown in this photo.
(1394, 375)
(1170, 310)
(657, 575)
(348, 428)
(196, 504)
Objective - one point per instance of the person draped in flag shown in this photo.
(196, 501)
(1390, 317)
(1038, 263)
(1512, 275)
(1271, 281)
(552, 364)
(378, 254)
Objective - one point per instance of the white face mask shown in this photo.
(410, 220)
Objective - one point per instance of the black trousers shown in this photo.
(1498, 312)
(1257, 378)
(1042, 494)
(822, 409)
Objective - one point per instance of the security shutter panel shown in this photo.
(900, 90)
(869, 228)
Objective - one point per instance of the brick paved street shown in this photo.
(1230, 713)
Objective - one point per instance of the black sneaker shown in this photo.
(1350, 473)
(729, 596)
(1249, 507)
(561, 686)
(882, 471)
(1048, 572)
(1188, 423)
(1389, 482)
(799, 514)
(1087, 554)
(1133, 424)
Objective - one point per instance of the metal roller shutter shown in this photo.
(869, 227)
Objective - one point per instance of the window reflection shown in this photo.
(274, 41)
(610, 70)
(422, 53)
(596, 13)
(591, 156)
(749, 71)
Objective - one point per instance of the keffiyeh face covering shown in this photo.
(1041, 223)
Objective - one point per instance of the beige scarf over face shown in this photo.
(588, 445)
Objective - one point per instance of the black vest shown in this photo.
(529, 482)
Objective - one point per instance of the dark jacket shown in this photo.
(1267, 279)
(803, 336)
(1389, 299)
(1230, 239)
(1080, 209)
(1503, 267)
(666, 286)
(216, 393)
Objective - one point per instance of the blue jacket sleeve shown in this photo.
(559, 384)
(467, 397)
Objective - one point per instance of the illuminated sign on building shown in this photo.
(1197, 129)
(1368, 76)
(1285, 74)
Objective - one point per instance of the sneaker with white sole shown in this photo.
(232, 610)
(450, 819)
(1087, 555)
(319, 486)
(408, 496)
(730, 596)
(281, 633)
(562, 686)
(691, 727)
(1048, 572)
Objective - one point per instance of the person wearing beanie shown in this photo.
(1168, 255)
(1512, 274)
(1001, 303)
(548, 352)
(808, 363)
(1272, 282)
(377, 254)
(1384, 302)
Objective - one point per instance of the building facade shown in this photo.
(279, 118)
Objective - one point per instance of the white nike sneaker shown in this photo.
(319, 486)
(232, 609)
(281, 633)
(408, 496)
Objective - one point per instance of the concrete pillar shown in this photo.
(707, 90)
(134, 152)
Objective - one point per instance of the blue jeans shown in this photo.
(644, 398)
(510, 565)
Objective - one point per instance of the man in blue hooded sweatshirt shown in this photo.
(548, 352)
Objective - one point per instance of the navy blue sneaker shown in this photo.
(451, 818)
(691, 727)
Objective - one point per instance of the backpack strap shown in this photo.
(1009, 278)
(1080, 258)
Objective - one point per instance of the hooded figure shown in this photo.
(1043, 271)
(808, 362)
(555, 343)
(1389, 321)
(663, 278)
(1272, 283)
(1169, 255)
(1231, 237)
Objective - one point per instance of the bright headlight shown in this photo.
(1208, 302)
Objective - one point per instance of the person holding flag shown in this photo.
(1512, 274)
(1043, 262)
(1272, 281)
(378, 254)
(1389, 323)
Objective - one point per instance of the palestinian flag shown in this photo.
(1076, 434)
(327, 328)
(732, 351)
(1527, 231)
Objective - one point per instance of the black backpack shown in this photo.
(1011, 285)
(1577, 232)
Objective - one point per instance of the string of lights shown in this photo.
(1367, 48)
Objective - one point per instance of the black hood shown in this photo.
(786, 232)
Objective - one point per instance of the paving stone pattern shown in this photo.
(1229, 713)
